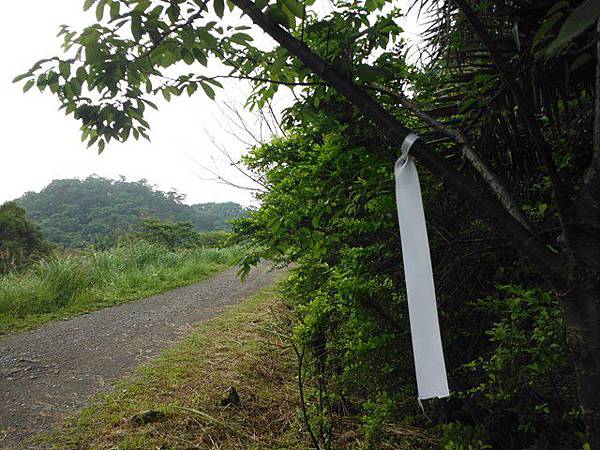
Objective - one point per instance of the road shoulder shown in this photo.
(183, 399)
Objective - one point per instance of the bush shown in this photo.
(179, 235)
(524, 385)
(330, 211)
(21, 240)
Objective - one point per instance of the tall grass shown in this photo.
(62, 286)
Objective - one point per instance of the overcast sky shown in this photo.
(38, 143)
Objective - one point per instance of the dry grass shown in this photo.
(240, 349)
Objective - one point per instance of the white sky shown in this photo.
(38, 143)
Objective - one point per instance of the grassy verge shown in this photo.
(184, 386)
(72, 284)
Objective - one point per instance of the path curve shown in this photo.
(50, 372)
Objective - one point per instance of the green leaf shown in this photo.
(21, 77)
(208, 90)
(200, 56)
(65, 69)
(467, 103)
(214, 82)
(277, 14)
(76, 86)
(143, 5)
(115, 10)
(187, 56)
(81, 74)
(191, 88)
(136, 26)
(290, 16)
(546, 26)
(87, 4)
(580, 61)
(173, 13)
(241, 38)
(577, 22)
(28, 85)
(295, 7)
(100, 10)
(219, 6)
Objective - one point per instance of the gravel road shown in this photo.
(50, 372)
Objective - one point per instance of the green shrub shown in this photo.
(330, 210)
(178, 235)
(21, 240)
(524, 385)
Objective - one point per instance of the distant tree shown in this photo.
(21, 239)
(216, 216)
(179, 235)
(172, 235)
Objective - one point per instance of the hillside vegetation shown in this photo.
(75, 213)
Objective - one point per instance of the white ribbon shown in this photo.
(424, 325)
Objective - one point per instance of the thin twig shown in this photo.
(300, 356)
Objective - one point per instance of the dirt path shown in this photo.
(50, 372)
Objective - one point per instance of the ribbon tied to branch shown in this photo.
(428, 353)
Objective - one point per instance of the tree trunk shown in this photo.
(581, 311)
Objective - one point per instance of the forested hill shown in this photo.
(97, 210)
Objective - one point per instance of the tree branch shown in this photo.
(530, 245)
(496, 185)
(594, 169)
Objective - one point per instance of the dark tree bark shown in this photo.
(581, 310)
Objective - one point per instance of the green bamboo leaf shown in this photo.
(219, 6)
(577, 22)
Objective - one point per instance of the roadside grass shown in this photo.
(184, 385)
(67, 285)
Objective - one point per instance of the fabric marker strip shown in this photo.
(424, 325)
